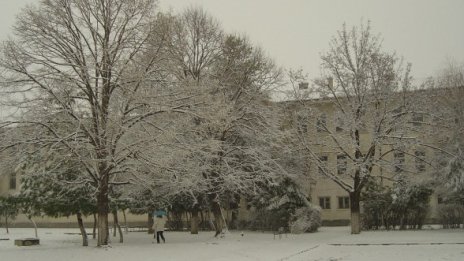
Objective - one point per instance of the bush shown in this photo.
(376, 202)
(306, 219)
(451, 215)
(404, 205)
(276, 206)
(269, 219)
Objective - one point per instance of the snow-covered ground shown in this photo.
(329, 244)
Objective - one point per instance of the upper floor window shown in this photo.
(339, 123)
(13, 181)
(321, 124)
(398, 161)
(417, 119)
(420, 160)
(440, 200)
(341, 164)
(323, 160)
(302, 124)
(397, 120)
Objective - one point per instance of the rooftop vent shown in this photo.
(303, 85)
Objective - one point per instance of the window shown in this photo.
(343, 202)
(396, 120)
(321, 123)
(324, 202)
(302, 124)
(323, 164)
(397, 111)
(440, 200)
(341, 164)
(339, 123)
(420, 160)
(303, 85)
(417, 119)
(13, 181)
(398, 161)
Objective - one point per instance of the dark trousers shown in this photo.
(158, 235)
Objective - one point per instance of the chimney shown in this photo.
(330, 82)
(303, 85)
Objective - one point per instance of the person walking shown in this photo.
(158, 226)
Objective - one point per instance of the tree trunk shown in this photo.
(150, 223)
(117, 226)
(35, 226)
(6, 224)
(126, 229)
(194, 220)
(355, 212)
(94, 235)
(216, 209)
(234, 220)
(102, 210)
(203, 221)
(85, 241)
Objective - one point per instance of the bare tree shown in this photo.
(362, 91)
(196, 39)
(85, 75)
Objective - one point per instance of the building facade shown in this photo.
(416, 131)
(323, 128)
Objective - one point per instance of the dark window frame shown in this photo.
(339, 123)
(440, 200)
(324, 161)
(417, 119)
(420, 160)
(343, 202)
(302, 124)
(324, 202)
(342, 165)
(399, 161)
(321, 124)
(13, 181)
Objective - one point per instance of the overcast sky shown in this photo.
(295, 32)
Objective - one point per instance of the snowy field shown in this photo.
(329, 244)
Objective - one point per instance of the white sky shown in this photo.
(294, 32)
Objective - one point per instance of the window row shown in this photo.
(417, 119)
(343, 202)
(399, 162)
(342, 164)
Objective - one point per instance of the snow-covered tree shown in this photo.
(84, 76)
(403, 205)
(195, 43)
(52, 184)
(226, 147)
(447, 110)
(283, 203)
(8, 210)
(367, 91)
(221, 152)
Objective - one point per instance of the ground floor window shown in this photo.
(344, 202)
(324, 202)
